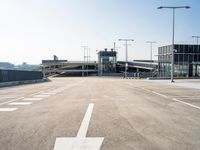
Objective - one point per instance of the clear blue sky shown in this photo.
(32, 30)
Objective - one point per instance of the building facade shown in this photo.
(186, 61)
(107, 61)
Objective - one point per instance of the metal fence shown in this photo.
(131, 74)
(17, 75)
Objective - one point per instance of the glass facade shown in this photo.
(186, 60)
(107, 61)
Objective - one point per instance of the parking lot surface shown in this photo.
(94, 113)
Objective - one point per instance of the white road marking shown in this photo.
(48, 93)
(80, 142)
(185, 96)
(146, 90)
(174, 99)
(194, 106)
(11, 101)
(41, 95)
(85, 123)
(189, 98)
(36, 93)
(59, 89)
(162, 95)
(32, 99)
(20, 103)
(8, 109)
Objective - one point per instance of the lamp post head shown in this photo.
(161, 7)
(125, 39)
(174, 7)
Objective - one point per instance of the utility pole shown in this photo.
(173, 28)
(126, 55)
(151, 49)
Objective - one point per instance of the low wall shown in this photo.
(18, 75)
(14, 83)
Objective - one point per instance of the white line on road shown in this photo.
(80, 142)
(20, 103)
(174, 99)
(194, 106)
(188, 98)
(32, 99)
(48, 93)
(85, 123)
(41, 95)
(162, 95)
(36, 93)
(11, 101)
(8, 109)
(146, 89)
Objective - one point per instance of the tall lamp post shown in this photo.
(151, 43)
(85, 48)
(126, 56)
(172, 50)
(197, 38)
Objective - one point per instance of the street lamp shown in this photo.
(126, 56)
(172, 50)
(84, 57)
(197, 38)
(151, 43)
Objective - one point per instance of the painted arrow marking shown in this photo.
(80, 142)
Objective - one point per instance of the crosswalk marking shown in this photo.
(41, 95)
(8, 109)
(20, 103)
(33, 99)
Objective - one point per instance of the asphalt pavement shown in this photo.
(92, 113)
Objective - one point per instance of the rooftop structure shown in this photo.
(107, 61)
(186, 60)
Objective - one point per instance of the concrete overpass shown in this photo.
(81, 68)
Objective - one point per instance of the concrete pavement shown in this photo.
(129, 114)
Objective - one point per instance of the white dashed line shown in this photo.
(8, 109)
(41, 95)
(20, 103)
(33, 99)
(11, 101)
(48, 93)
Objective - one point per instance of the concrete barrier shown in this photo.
(14, 83)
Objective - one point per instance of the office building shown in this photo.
(186, 61)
